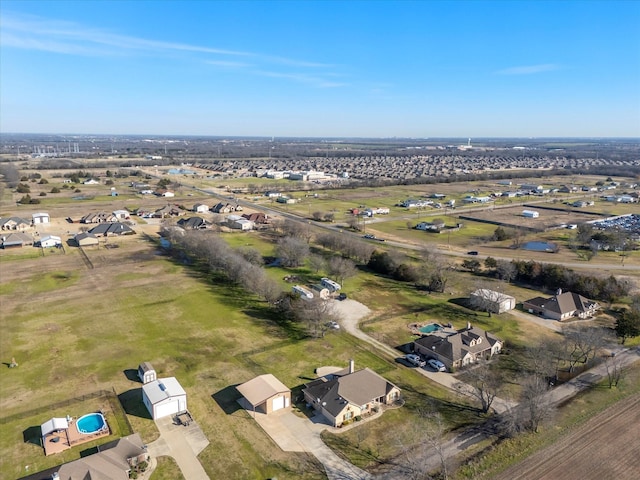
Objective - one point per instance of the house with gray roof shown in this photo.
(562, 306)
(459, 349)
(113, 461)
(349, 393)
(15, 240)
(110, 229)
(14, 223)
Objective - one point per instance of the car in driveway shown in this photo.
(342, 296)
(415, 360)
(437, 365)
(333, 325)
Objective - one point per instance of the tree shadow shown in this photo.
(227, 399)
(131, 374)
(132, 404)
(33, 435)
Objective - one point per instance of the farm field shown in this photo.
(606, 446)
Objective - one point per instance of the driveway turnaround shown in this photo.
(183, 443)
(293, 433)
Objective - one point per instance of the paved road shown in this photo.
(183, 444)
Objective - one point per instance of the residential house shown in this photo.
(492, 301)
(164, 397)
(223, 207)
(192, 223)
(114, 461)
(15, 240)
(14, 223)
(49, 241)
(40, 218)
(121, 214)
(85, 239)
(91, 181)
(258, 218)
(109, 229)
(562, 306)
(163, 192)
(169, 211)
(459, 349)
(568, 189)
(345, 395)
(264, 394)
(98, 217)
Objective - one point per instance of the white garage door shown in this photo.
(167, 409)
(278, 403)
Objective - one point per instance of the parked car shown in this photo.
(333, 325)
(472, 252)
(414, 359)
(342, 296)
(437, 365)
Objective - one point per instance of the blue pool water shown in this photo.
(432, 327)
(91, 423)
(540, 246)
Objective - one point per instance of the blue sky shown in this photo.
(331, 68)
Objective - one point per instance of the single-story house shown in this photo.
(165, 193)
(40, 218)
(114, 461)
(108, 229)
(264, 394)
(164, 397)
(192, 223)
(223, 208)
(146, 372)
(462, 348)
(15, 240)
(14, 223)
(562, 306)
(169, 211)
(49, 241)
(91, 181)
(98, 217)
(85, 239)
(345, 395)
(257, 218)
(200, 208)
(492, 301)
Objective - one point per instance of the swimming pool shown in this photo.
(91, 423)
(432, 327)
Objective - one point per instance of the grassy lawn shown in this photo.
(494, 459)
(167, 469)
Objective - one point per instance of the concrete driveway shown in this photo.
(293, 433)
(183, 444)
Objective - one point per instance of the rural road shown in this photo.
(352, 312)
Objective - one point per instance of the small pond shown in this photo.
(540, 246)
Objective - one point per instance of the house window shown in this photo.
(348, 415)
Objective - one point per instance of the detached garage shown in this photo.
(164, 397)
(264, 394)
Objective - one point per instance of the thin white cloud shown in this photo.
(37, 33)
(316, 81)
(529, 69)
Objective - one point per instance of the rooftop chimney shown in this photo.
(352, 364)
(468, 325)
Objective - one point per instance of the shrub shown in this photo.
(55, 190)
(43, 194)
(358, 418)
(23, 188)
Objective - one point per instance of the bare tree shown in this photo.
(614, 370)
(505, 270)
(317, 263)
(329, 217)
(342, 268)
(534, 403)
(316, 314)
(486, 383)
(317, 216)
(292, 251)
(582, 344)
